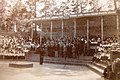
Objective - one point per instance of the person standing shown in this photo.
(82, 46)
(41, 50)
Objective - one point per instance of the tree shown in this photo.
(20, 15)
(117, 4)
(54, 7)
(1, 14)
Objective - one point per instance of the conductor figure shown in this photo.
(41, 53)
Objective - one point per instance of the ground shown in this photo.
(46, 71)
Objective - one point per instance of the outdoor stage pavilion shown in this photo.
(100, 24)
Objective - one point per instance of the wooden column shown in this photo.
(41, 32)
(88, 33)
(74, 28)
(117, 17)
(31, 33)
(62, 28)
(51, 30)
(102, 34)
(32, 27)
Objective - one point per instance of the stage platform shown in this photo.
(19, 64)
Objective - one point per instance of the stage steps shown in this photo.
(97, 67)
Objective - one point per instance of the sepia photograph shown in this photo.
(59, 39)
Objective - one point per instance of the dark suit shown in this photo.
(41, 52)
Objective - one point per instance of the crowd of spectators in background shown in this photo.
(74, 47)
(11, 46)
(64, 47)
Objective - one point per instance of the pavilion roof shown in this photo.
(89, 14)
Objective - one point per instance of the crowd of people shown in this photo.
(74, 47)
(103, 50)
(64, 47)
(69, 47)
(10, 47)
